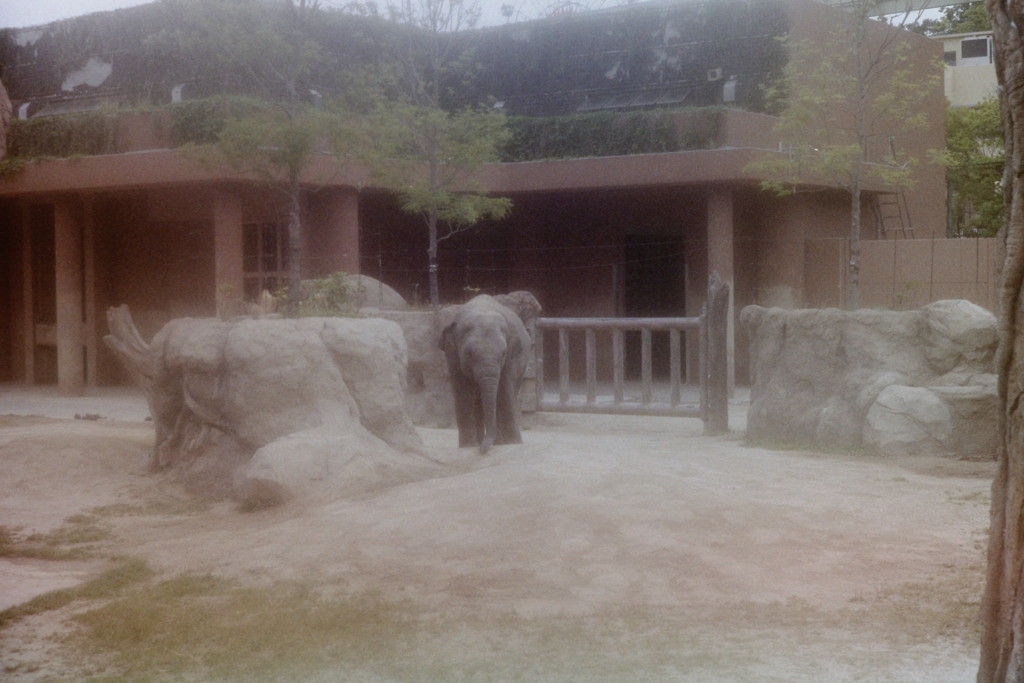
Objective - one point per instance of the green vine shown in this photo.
(610, 134)
(63, 136)
(199, 122)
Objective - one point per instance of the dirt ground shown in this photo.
(670, 555)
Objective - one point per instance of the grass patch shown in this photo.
(106, 585)
(199, 627)
(73, 540)
(76, 530)
(169, 507)
(207, 627)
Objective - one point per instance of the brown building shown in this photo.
(634, 234)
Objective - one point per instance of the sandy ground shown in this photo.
(739, 563)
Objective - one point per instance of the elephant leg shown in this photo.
(508, 412)
(467, 411)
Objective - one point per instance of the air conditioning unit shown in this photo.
(714, 74)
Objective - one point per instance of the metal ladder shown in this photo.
(892, 215)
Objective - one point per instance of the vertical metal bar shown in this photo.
(645, 362)
(563, 365)
(619, 361)
(675, 365)
(591, 365)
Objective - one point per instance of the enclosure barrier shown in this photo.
(712, 407)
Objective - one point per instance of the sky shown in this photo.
(21, 13)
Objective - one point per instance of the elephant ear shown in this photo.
(447, 340)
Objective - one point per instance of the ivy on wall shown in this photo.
(63, 136)
(611, 133)
(199, 122)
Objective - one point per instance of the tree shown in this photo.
(427, 152)
(847, 98)
(1002, 648)
(966, 18)
(243, 47)
(281, 146)
(974, 168)
(430, 158)
(267, 50)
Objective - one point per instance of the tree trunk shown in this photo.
(853, 286)
(294, 247)
(435, 184)
(435, 291)
(1002, 643)
(860, 125)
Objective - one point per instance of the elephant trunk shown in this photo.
(489, 404)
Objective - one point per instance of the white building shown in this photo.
(970, 74)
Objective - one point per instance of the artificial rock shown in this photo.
(891, 381)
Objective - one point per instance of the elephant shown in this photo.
(487, 348)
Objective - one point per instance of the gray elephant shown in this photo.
(488, 349)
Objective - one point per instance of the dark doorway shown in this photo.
(655, 280)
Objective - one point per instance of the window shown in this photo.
(949, 57)
(265, 258)
(974, 47)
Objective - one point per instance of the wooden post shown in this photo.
(538, 347)
(563, 365)
(716, 353)
(646, 376)
(619, 364)
(675, 365)
(591, 344)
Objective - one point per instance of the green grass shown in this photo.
(217, 630)
(200, 627)
(107, 584)
(76, 539)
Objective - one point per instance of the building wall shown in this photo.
(906, 274)
(968, 80)
(816, 23)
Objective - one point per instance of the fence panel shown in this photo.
(906, 274)
(712, 406)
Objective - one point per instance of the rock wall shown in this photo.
(269, 409)
(894, 382)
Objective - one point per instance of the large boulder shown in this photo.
(267, 409)
(817, 374)
(368, 292)
(428, 398)
(907, 420)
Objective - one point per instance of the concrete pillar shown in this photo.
(229, 273)
(28, 298)
(91, 322)
(333, 233)
(67, 228)
(720, 260)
